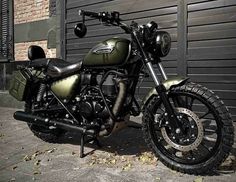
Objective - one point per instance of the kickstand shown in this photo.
(85, 141)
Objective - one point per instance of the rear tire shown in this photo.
(44, 133)
(224, 132)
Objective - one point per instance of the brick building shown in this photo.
(27, 15)
(24, 23)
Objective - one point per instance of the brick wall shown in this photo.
(22, 50)
(28, 11)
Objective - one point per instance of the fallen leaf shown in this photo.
(27, 158)
(113, 161)
(158, 179)
(12, 179)
(127, 167)
(147, 158)
(36, 172)
(37, 162)
(200, 179)
(73, 153)
(14, 167)
(51, 150)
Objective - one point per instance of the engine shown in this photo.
(91, 105)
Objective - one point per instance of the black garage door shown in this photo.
(203, 37)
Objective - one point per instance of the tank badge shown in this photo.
(103, 49)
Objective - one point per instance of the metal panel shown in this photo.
(164, 12)
(203, 37)
(211, 47)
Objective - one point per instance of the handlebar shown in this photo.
(112, 18)
(88, 13)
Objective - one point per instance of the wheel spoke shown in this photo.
(209, 139)
(209, 131)
(191, 103)
(178, 101)
(205, 147)
(204, 115)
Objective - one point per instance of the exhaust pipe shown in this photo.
(37, 120)
(114, 126)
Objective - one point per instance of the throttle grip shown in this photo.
(88, 13)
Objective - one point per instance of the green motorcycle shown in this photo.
(186, 125)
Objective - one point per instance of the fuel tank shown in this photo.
(111, 52)
(65, 88)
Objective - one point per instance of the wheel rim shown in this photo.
(201, 152)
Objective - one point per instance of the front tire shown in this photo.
(213, 130)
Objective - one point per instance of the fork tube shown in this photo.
(162, 71)
(152, 73)
(146, 60)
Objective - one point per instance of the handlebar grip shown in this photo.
(89, 13)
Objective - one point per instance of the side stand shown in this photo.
(85, 141)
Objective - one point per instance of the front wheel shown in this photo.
(208, 131)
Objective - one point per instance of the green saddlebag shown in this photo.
(19, 85)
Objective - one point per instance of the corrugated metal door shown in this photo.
(204, 49)
(211, 53)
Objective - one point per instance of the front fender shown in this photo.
(168, 84)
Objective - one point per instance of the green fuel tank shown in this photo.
(111, 52)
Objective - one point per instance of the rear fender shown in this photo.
(168, 84)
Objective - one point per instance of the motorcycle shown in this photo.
(186, 125)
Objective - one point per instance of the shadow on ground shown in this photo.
(128, 141)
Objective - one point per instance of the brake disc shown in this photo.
(196, 125)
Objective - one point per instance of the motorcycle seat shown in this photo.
(55, 67)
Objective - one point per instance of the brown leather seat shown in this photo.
(55, 67)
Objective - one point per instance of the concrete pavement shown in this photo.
(123, 157)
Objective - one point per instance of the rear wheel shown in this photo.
(207, 125)
(46, 134)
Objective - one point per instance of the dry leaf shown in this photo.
(73, 153)
(51, 150)
(147, 158)
(200, 179)
(14, 167)
(158, 179)
(127, 167)
(27, 158)
(12, 179)
(37, 172)
(113, 161)
(37, 162)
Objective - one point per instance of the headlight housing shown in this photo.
(160, 44)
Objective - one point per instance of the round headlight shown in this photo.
(162, 44)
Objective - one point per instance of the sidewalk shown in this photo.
(123, 157)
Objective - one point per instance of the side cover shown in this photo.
(112, 52)
(65, 88)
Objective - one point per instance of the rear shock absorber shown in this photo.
(41, 91)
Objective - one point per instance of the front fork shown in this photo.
(160, 88)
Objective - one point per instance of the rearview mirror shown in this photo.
(80, 30)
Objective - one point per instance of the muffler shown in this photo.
(37, 120)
